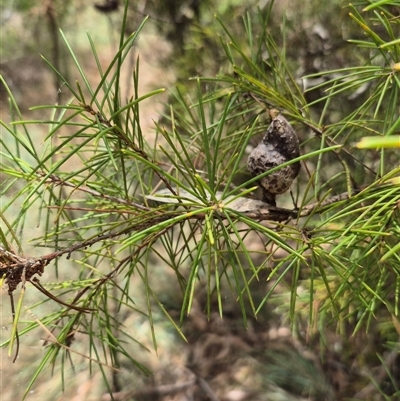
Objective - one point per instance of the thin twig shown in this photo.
(36, 283)
(53, 179)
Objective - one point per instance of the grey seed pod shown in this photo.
(279, 145)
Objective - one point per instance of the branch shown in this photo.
(55, 180)
(16, 268)
(264, 211)
(252, 208)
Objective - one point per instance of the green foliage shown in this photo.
(332, 257)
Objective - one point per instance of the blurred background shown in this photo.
(181, 40)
